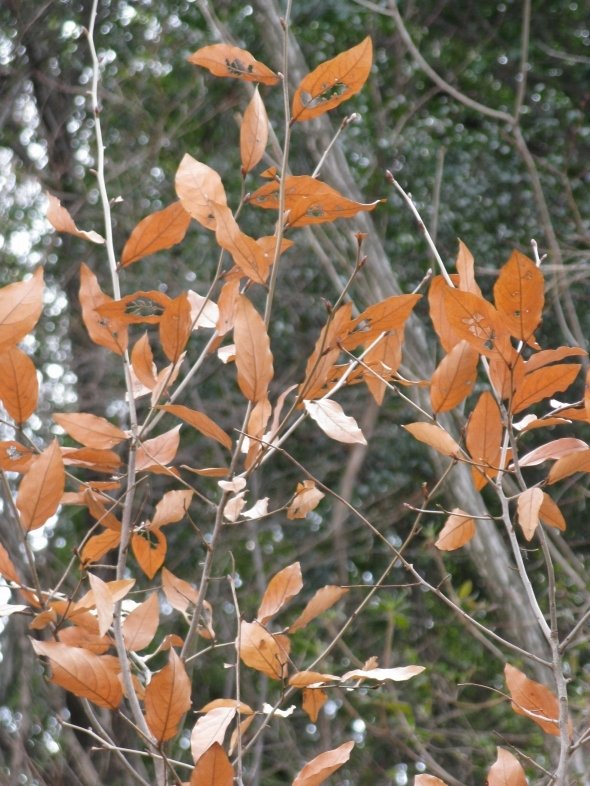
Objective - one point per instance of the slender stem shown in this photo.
(524, 59)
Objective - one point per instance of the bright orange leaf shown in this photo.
(175, 327)
(484, 439)
(454, 378)
(213, 768)
(149, 551)
(262, 651)
(167, 699)
(230, 61)
(156, 232)
(533, 700)
(321, 601)
(105, 331)
(519, 296)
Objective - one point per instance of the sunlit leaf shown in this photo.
(458, 530)
(333, 421)
(555, 449)
(20, 308)
(104, 602)
(283, 586)
(533, 700)
(156, 232)
(454, 377)
(19, 387)
(333, 82)
(213, 768)
(231, 61)
(317, 770)
(167, 699)
(61, 221)
(90, 430)
(41, 489)
(198, 187)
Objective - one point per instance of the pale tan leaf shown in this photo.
(94, 677)
(200, 422)
(179, 593)
(213, 768)
(253, 356)
(283, 586)
(239, 706)
(333, 421)
(253, 133)
(20, 308)
(104, 602)
(61, 221)
(198, 188)
(204, 312)
(317, 770)
(209, 729)
(555, 449)
(506, 770)
(321, 601)
(140, 626)
(528, 507)
(434, 436)
(533, 700)
(159, 450)
(458, 530)
(142, 361)
(428, 780)
(262, 651)
(167, 699)
(156, 232)
(90, 430)
(399, 674)
(41, 489)
(303, 679)
(171, 508)
(307, 498)
(19, 388)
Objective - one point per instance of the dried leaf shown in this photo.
(313, 701)
(61, 221)
(519, 296)
(210, 729)
(15, 457)
(528, 507)
(20, 308)
(231, 61)
(156, 232)
(428, 780)
(399, 674)
(555, 449)
(105, 331)
(543, 383)
(41, 489)
(19, 388)
(213, 768)
(175, 327)
(475, 320)
(7, 568)
(141, 307)
(94, 677)
(179, 593)
(434, 436)
(75, 636)
(465, 268)
(389, 314)
(506, 770)
(381, 363)
(283, 586)
(150, 555)
(204, 312)
(307, 498)
(253, 133)
(142, 361)
(159, 450)
(262, 651)
(322, 600)
(533, 700)
(484, 439)
(332, 420)
(200, 422)
(171, 508)
(141, 625)
(303, 679)
(199, 187)
(98, 545)
(317, 770)
(326, 352)
(550, 514)
(458, 530)
(167, 699)
(104, 602)
(253, 356)
(90, 430)
(447, 335)
(454, 378)
(333, 82)
(569, 465)
(547, 356)
(245, 251)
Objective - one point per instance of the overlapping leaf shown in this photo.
(454, 377)
(533, 700)
(41, 489)
(167, 699)
(105, 331)
(90, 430)
(253, 355)
(519, 296)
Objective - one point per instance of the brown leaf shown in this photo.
(398, 674)
(248, 255)
(156, 232)
(303, 679)
(447, 335)
(231, 61)
(307, 498)
(569, 465)
(454, 378)
(317, 770)
(262, 651)
(519, 296)
(434, 436)
(253, 133)
(200, 422)
(7, 568)
(210, 729)
(313, 701)
(322, 600)
(98, 545)
(388, 314)
(465, 268)
(506, 770)
(543, 383)
(550, 514)
(528, 507)
(15, 457)
(61, 221)
(175, 327)
(547, 356)
(104, 331)
(309, 201)
(333, 421)
(428, 780)
(140, 625)
(213, 768)
(326, 352)
(555, 449)
(283, 586)
(19, 388)
(167, 698)
(484, 439)
(171, 508)
(90, 430)
(142, 360)
(333, 82)
(159, 450)
(533, 700)
(94, 677)
(474, 319)
(253, 356)
(384, 359)
(179, 593)
(41, 489)
(78, 637)
(458, 530)
(20, 308)
(104, 602)
(150, 555)
(199, 187)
